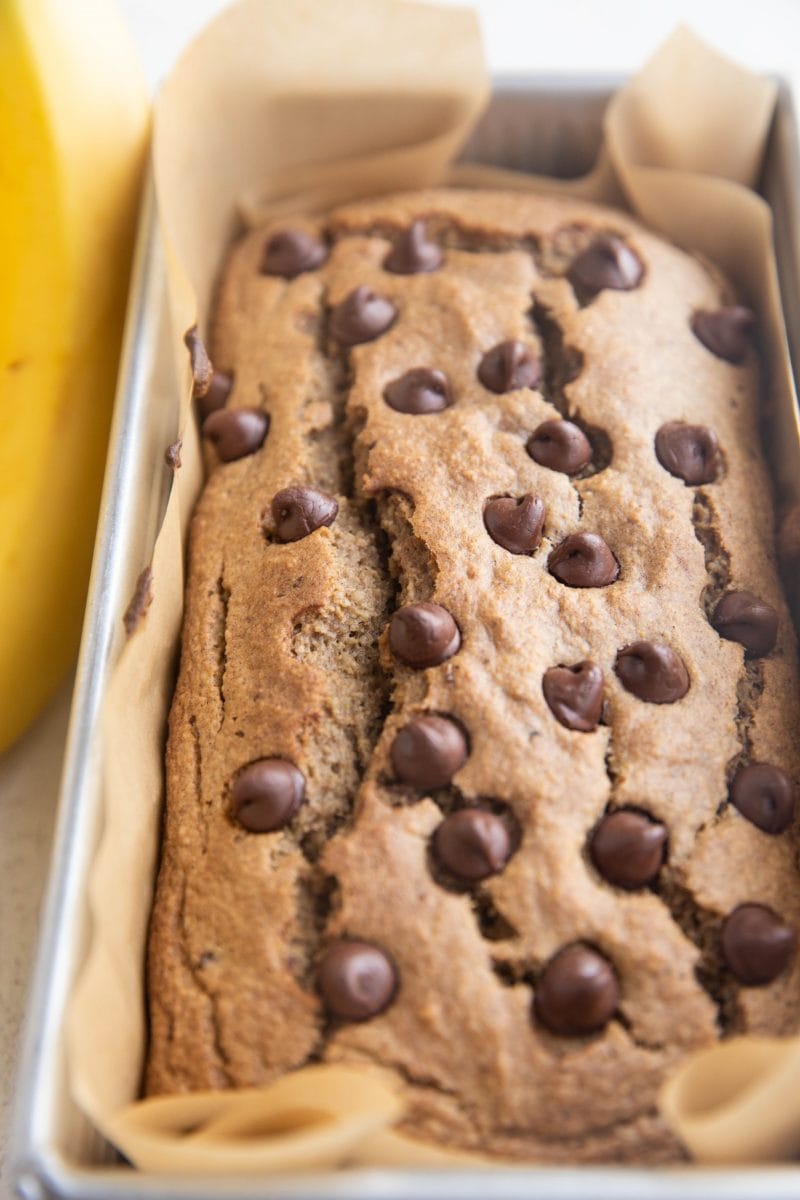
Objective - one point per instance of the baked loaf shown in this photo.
(483, 753)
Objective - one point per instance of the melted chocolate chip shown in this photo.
(421, 390)
(583, 560)
(428, 751)
(291, 252)
(266, 794)
(690, 452)
(515, 524)
(756, 944)
(202, 371)
(172, 455)
(472, 844)
(298, 511)
(578, 992)
(607, 262)
(362, 316)
(742, 617)
(725, 332)
(423, 635)
(652, 672)
(765, 795)
(413, 253)
(628, 848)
(357, 980)
(509, 366)
(575, 695)
(236, 432)
(217, 394)
(561, 446)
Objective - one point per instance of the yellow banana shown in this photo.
(74, 115)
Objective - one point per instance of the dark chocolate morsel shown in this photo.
(756, 944)
(725, 332)
(421, 390)
(217, 394)
(765, 795)
(508, 366)
(561, 446)
(607, 262)
(428, 751)
(472, 844)
(690, 452)
(266, 794)
(202, 371)
(357, 979)
(628, 848)
(742, 617)
(298, 511)
(653, 672)
(423, 635)
(575, 695)
(236, 432)
(577, 993)
(583, 560)
(290, 252)
(362, 316)
(172, 455)
(515, 524)
(413, 253)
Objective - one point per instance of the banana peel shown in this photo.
(74, 119)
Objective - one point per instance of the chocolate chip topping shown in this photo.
(607, 262)
(756, 944)
(561, 446)
(583, 560)
(508, 366)
(421, 390)
(690, 452)
(764, 795)
(428, 751)
(725, 332)
(471, 844)
(578, 992)
(628, 848)
(202, 371)
(652, 672)
(298, 511)
(575, 695)
(515, 524)
(266, 794)
(423, 635)
(362, 316)
(357, 979)
(217, 394)
(742, 617)
(413, 253)
(291, 252)
(236, 432)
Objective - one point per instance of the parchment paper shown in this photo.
(293, 107)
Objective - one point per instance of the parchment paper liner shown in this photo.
(280, 108)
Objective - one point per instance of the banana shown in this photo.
(74, 114)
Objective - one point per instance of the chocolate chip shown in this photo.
(266, 794)
(428, 751)
(652, 672)
(298, 511)
(742, 617)
(575, 695)
(362, 316)
(628, 848)
(202, 371)
(472, 844)
(764, 795)
(515, 524)
(583, 560)
(217, 394)
(172, 455)
(756, 944)
(690, 452)
(421, 390)
(357, 979)
(725, 332)
(291, 252)
(607, 262)
(578, 992)
(423, 635)
(508, 366)
(413, 253)
(561, 446)
(236, 432)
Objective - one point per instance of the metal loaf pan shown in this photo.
(549, 125)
